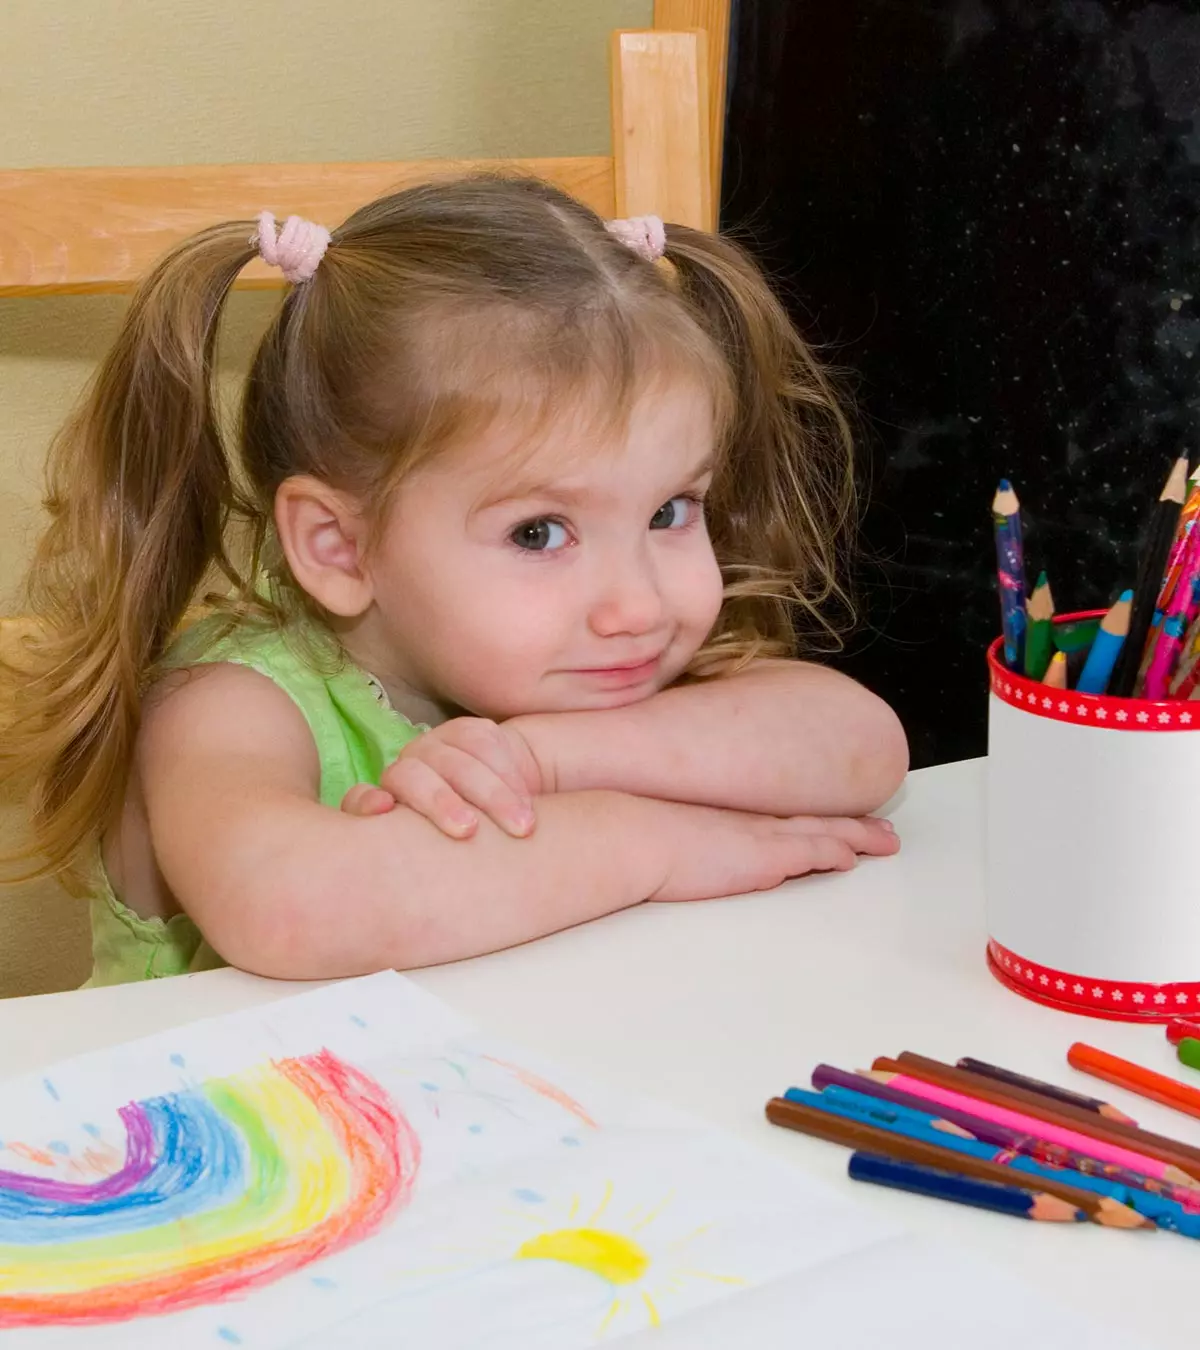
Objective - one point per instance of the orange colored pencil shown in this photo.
(1145, 1082)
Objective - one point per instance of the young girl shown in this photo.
(522, 512)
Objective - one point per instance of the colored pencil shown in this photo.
(1109, 1139)
(1187, 672)
(1056, 672)
(1097, 670)
(1020, 1099)
(1028, 1142)
(1145, 1082)
(1039, 629)
(1168, 642)
(931, 1181)
(1188, 1052)
(1010, 571)
(876, 1111)
(858, 1135)
(1179, 1027)
(1151, 567)
(1175, 559)
(1169, 1206)
(1176, 563)
(1074, 636)
(946, 1098)
(1058, 1094)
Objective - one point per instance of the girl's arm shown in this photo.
(283, 886)
(782, 737)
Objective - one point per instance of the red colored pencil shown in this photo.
(1145, 1082)
(1177, 1029)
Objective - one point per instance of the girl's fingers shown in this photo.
(484, 741)
(825, 853)
(864, 834)
(478, 785)
(414, 784)
(364, 799)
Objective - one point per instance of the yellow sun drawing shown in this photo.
(637, 1270)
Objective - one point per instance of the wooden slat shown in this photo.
(713, 17)
(81, 231)
(660, 126)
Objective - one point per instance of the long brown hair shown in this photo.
(386, 355)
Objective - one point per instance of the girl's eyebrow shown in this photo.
(565, 494)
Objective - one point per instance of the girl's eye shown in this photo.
(540, 536)
(676, 513)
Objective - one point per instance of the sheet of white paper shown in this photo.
(358, 1167)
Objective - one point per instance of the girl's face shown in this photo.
(578, 575)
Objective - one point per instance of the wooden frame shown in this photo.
(86, 231)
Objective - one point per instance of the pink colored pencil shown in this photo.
(1175, 559)
(1041, 1129)
(1169, 641)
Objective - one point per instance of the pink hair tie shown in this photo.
(297, 250)
(646, 235)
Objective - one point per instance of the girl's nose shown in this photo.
(627, 602)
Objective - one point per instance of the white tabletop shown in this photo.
(715, 1007)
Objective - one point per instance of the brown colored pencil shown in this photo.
(1182, 1160)
(1101, 1209)
(1058, 1094)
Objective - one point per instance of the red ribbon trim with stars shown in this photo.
(1119, 1000)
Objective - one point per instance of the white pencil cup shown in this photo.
(1093, 849)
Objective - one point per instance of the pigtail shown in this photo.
(139, 493)
(783, 503)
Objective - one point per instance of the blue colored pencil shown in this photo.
(1010, 571)
(1106, 647)
(1158, 1209)
(1016, 1200)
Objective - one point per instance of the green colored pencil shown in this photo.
(1188, 1051)
(1039, 632)
(1075, 636)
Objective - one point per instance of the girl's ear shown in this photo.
(323, 536)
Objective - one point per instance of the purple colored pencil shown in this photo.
(989, 1132)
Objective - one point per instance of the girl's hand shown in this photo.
(720, 852)
(465, 766)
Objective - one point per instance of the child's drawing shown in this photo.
(352, 1167)
(222, 1188)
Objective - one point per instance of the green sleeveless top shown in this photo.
(357, 734)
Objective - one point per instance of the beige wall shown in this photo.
(189, 81)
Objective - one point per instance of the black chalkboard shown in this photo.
(989, 211)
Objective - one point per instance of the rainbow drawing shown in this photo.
(225, 1187)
